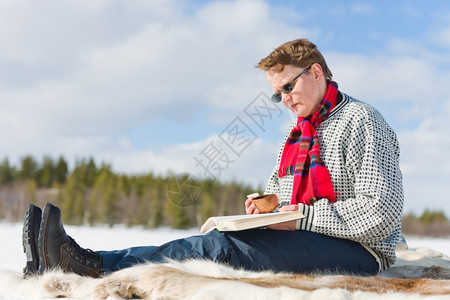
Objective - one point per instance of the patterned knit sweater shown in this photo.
(361, 152)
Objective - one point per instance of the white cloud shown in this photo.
(441, 37)
(387, 77)
(253, 166)
(343, 10)
(412, 11)
(363, 9)
(170, 63)
(95, 70)
(425, 165)
(98, 69)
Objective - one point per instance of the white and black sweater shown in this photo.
(361, 152)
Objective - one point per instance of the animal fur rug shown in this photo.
(418, 274)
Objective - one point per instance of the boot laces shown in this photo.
(84, 254)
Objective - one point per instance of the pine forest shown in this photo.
(92, 194)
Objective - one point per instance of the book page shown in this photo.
(242, 222)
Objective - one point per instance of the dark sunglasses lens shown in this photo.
(287, 88)
(276, 98)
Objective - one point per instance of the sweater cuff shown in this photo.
(305, 223)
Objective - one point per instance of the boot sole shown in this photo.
(42, 240)
(30, 234)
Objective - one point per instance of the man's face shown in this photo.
(308, 89)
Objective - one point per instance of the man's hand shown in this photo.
(290, 225)
(250, 208)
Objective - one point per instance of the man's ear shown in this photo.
(317, 71)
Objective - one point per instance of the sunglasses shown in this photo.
(288, 87)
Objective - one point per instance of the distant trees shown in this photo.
(7, 172)
(92, 194)
(45, 175)
(28, 183)
(430, 223)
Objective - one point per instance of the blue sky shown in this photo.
(161, 85)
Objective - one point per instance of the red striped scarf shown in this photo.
(301, 155)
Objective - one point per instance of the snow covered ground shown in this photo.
(118, 237)
(104, 238)
(95, 238)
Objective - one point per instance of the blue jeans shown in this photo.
(257, 250)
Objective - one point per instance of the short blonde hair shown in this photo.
(300, 53)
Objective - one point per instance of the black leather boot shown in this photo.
(30, 234)
(57, 250)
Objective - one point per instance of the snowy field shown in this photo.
(95, 238)
(106, 238)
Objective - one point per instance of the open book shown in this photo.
(242, 222)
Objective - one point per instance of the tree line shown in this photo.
(92, 194)
(430, 223)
